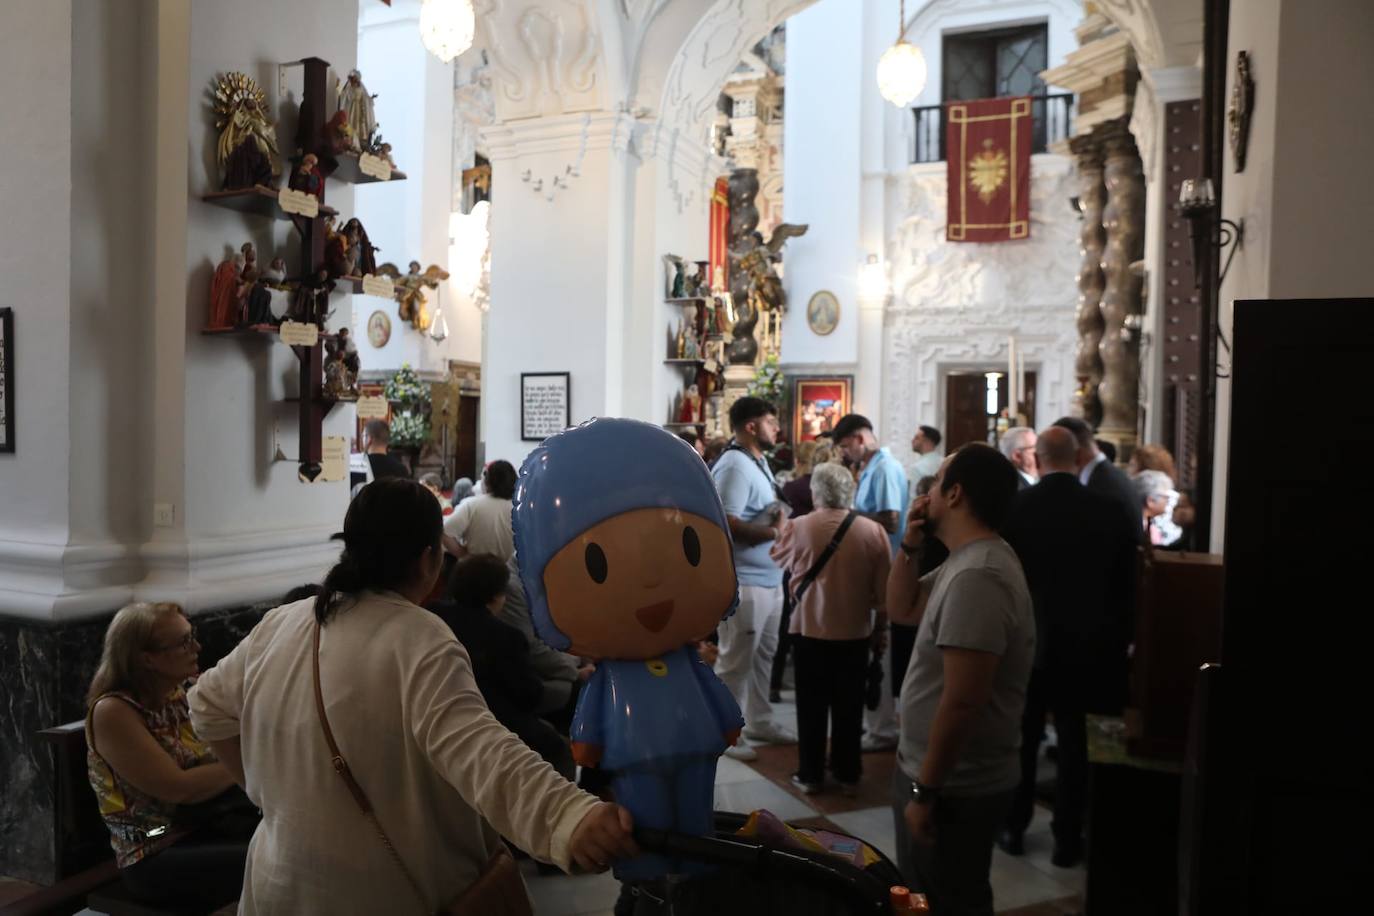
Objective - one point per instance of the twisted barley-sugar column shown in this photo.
(1124, 222)
(1091, 240)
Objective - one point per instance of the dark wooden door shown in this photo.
(1284, 780)
(465, 451)
(966, 407)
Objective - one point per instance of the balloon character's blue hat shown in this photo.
(582, 476)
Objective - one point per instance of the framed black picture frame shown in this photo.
(7, 380)
(545, 404)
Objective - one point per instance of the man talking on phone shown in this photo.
(962, 699)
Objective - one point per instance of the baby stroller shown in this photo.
(758, 874)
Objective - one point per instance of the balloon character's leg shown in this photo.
(648, 796)
(695, 800)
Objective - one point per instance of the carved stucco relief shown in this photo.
(955, 305)
(545, 57)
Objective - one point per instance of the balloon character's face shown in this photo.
(640, 584)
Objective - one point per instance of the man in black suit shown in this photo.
(1097, 473)
(1078, 553)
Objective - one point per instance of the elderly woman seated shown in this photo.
(838, 563)
(147, 766)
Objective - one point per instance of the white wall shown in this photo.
(1307, 232)
(822, 140)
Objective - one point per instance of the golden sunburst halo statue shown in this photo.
(247, 149)
(988, 171)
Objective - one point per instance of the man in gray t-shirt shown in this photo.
(965, 688)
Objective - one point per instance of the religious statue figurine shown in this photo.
(311, 303)
(625, 556)
(677, 275)
(306, 177)
(690, 412)
(691, 339)
(257, 299)
(691, 283)
(356, 105)
(224, 294)
(247, 147)
(383, 150)
(336, 136)
(278, 289)
(680, 341)
(340, 257)
(340, 372)
(364, 252)
(410, 296)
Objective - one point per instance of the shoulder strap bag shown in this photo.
(498, 891)
(824, 558)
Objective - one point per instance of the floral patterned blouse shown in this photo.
(136, 819)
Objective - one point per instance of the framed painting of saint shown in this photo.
(818, 404)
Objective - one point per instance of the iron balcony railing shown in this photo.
(1053, 121)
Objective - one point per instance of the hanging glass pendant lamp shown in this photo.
(447, 27)
(902, 68)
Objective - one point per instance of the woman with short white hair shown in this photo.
(1158, 497)
(838, 563)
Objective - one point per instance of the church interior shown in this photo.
(264, 256)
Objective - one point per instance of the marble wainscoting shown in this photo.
(44, 673)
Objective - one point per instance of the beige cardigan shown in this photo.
(440, 770)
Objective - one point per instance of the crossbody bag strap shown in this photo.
(824, 558)
(359, 796)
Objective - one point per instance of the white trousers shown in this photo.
(748, 642)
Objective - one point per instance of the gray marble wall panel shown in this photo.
(44, 673)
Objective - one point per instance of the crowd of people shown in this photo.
(948, 614)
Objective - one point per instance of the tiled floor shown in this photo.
(1022, 886)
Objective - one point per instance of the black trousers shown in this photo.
(784, 637)
(1064, 697)
(194, 874)
(830, 685)
(953, 871)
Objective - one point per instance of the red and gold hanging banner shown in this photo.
(720, 235)
(988, 144)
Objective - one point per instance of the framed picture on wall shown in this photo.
(545, 404)
(818, 404)
(7, 380)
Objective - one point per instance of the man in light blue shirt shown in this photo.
(882, 496)
(749, 638)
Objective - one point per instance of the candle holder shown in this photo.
(1197, 202)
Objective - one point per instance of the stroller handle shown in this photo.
(714, 850)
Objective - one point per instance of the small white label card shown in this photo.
(711, 366)
(334, 460)
(373, 407)
(374, 167)
(300, 333)
(298, 202)
(374, 285)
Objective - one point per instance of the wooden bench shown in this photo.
(85, 867)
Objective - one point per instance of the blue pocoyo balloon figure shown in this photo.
(625, 557)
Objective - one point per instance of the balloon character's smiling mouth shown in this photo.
(654, 617)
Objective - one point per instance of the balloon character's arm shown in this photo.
(728, 717)
(588, 729)
(586, 755)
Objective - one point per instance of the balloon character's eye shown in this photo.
(691, 545)
(596, 563)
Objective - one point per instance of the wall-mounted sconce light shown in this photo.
(1197, 201)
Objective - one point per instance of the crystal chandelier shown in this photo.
(902, 69)
(447, 27)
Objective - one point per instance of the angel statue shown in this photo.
(410, 292)
(357, 105)
(756, 286)
(247, 149)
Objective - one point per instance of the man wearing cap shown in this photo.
(881, 496)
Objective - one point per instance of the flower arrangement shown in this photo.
(769, 382)
(410, 421)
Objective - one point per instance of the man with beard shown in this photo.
(749, 638)
(962, 700)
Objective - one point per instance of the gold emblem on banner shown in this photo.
(988, 171)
